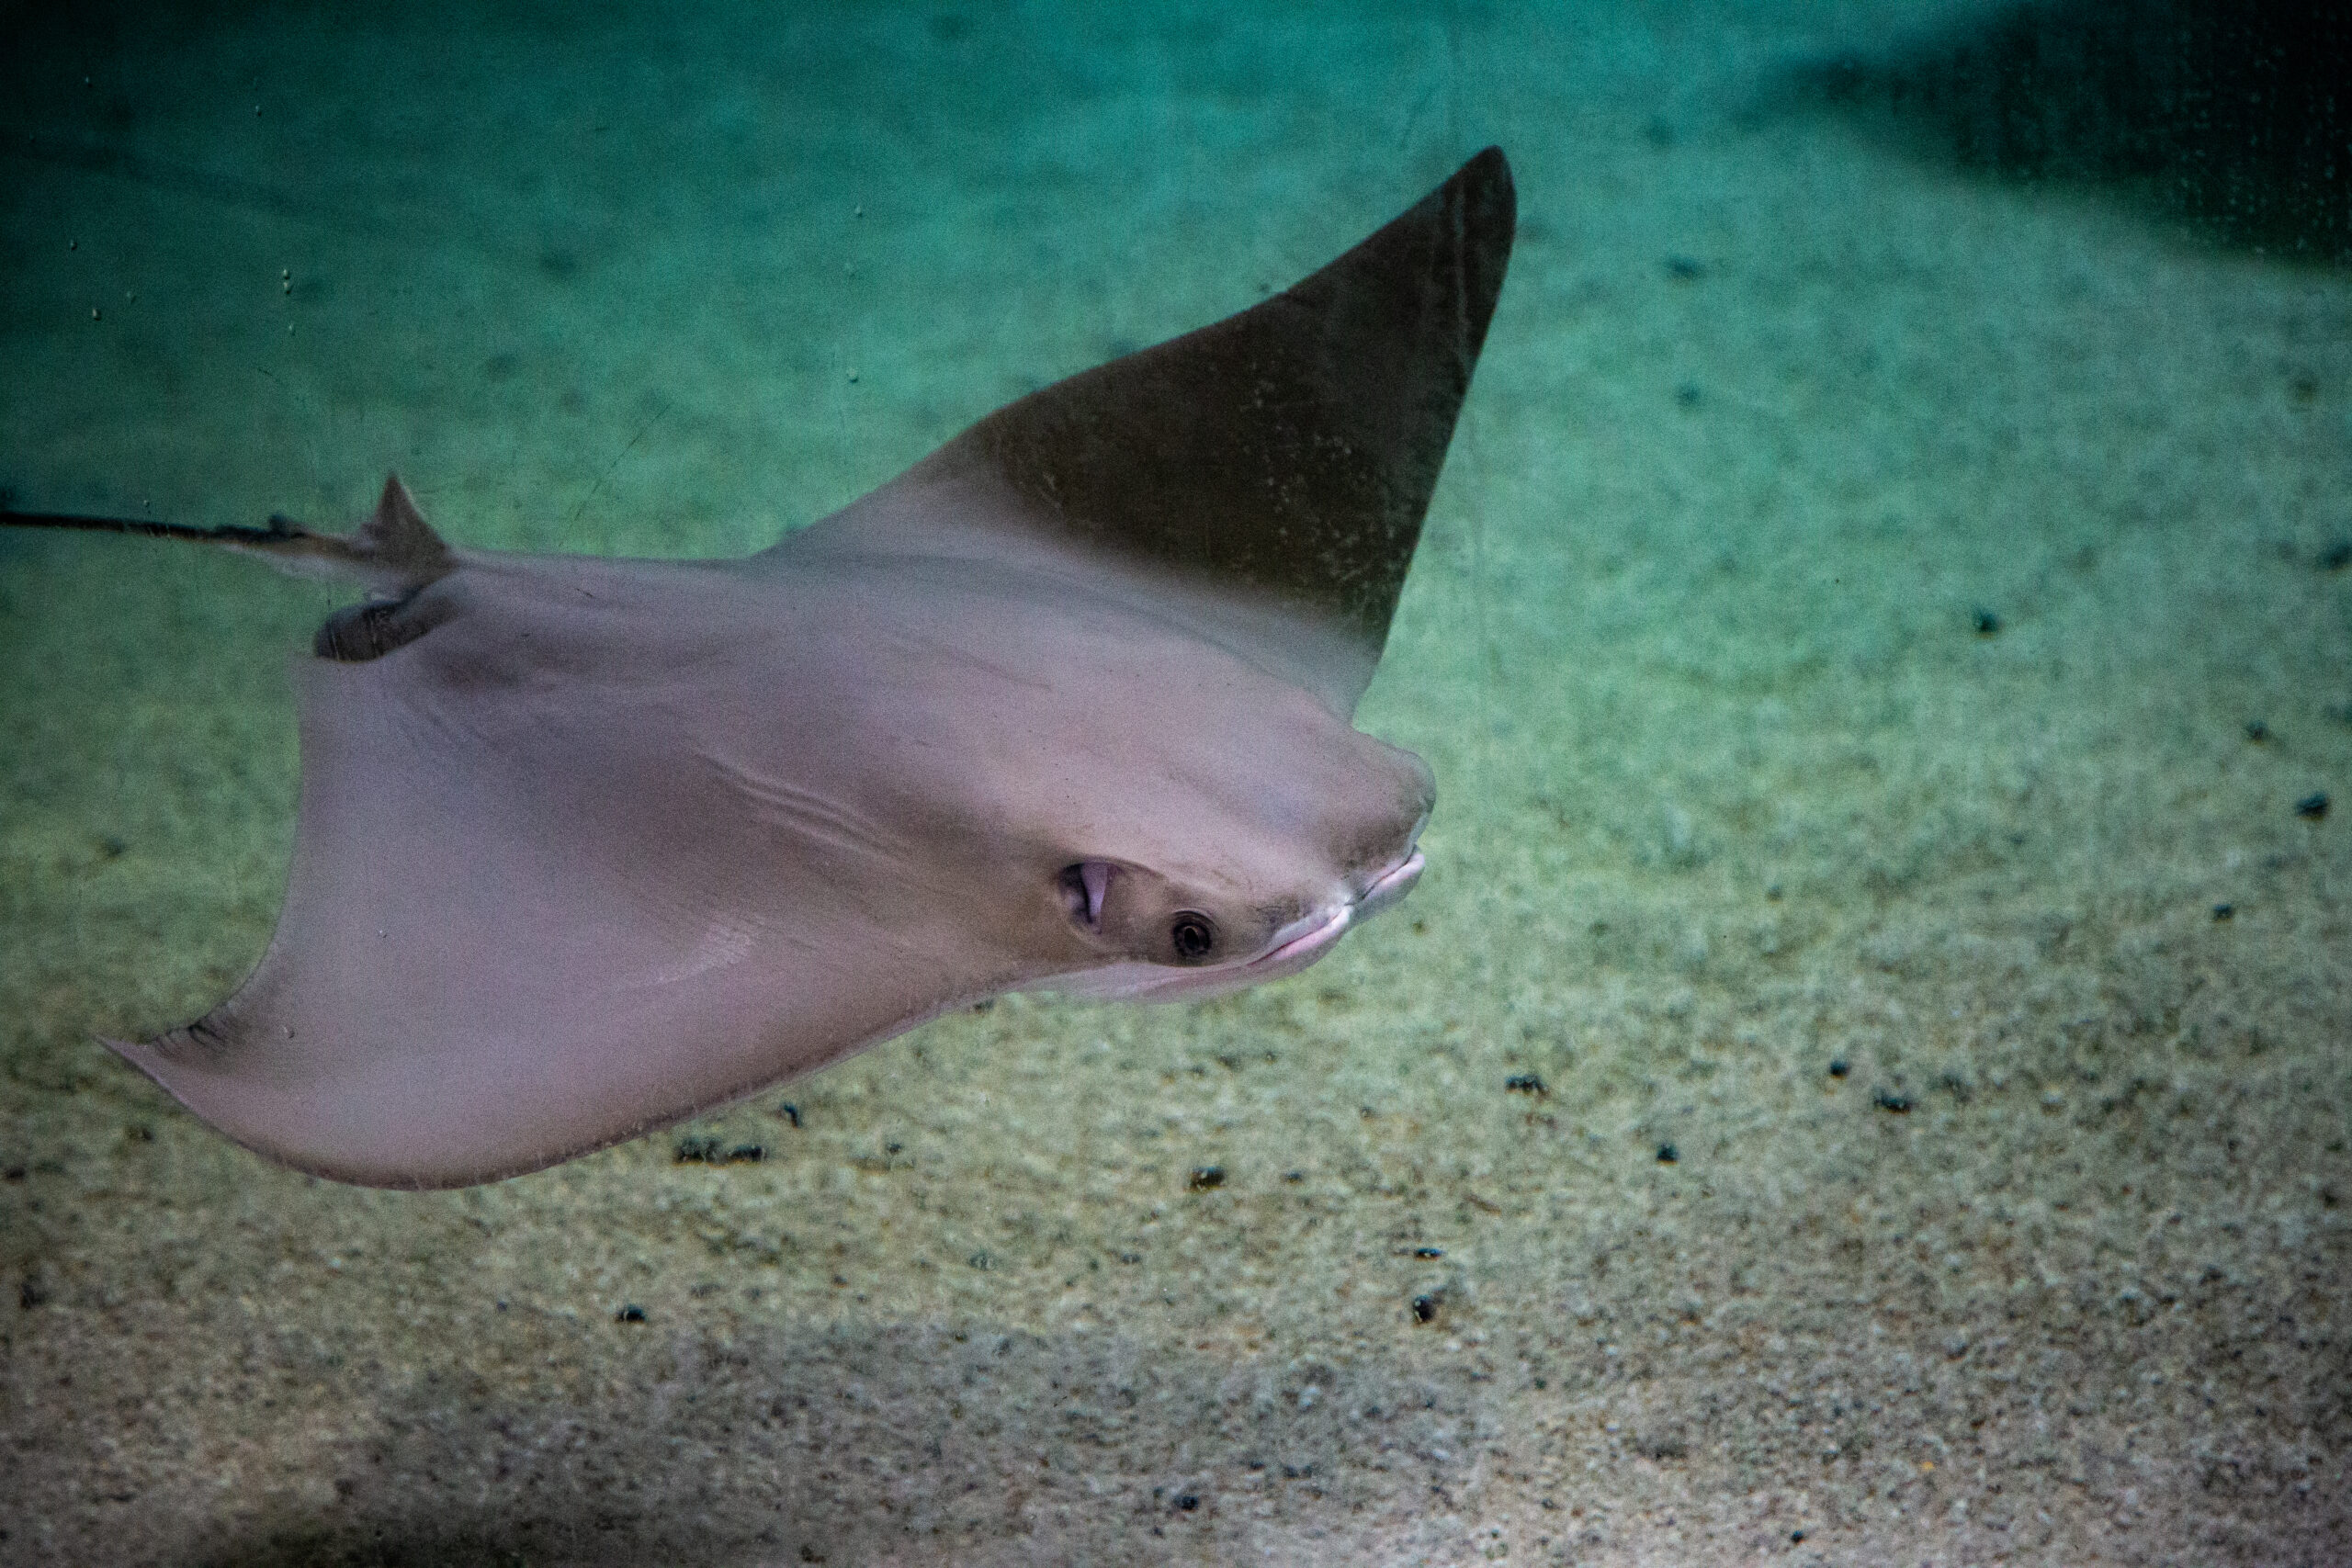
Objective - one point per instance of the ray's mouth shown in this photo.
(1299, 943)
(1390, 885)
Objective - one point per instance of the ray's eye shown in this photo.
(1193, 935)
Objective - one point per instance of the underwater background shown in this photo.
(1863, 1079)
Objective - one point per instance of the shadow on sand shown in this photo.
(2227, 115)
(902, 1445)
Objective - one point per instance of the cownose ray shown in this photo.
(587, 845)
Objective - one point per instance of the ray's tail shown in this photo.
(282, 538)
(394, 552)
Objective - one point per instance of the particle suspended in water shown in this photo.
(1525, 1083)
(2312, 805)
(1987, 622)
(1205, 1177)
(1668, 1153)
(632, 1312)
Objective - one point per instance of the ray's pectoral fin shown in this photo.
(1290, 449)
(1286, 455)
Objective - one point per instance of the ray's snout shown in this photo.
(1392, 885)
(1387, 878)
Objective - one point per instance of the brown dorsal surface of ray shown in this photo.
(1292, 447)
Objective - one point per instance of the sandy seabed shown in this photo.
(1734, 792)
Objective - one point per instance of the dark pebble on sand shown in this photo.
(709, 1151)
(1838, 1067)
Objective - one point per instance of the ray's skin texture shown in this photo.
(588, 845)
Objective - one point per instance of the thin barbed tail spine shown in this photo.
(395, 551)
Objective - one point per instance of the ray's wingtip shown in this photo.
(147, 1057)
(1488, 189)
(136, 1052)
(1488, 171)
(153, 1059)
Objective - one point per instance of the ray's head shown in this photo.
(1234, 863)
(1223, 823)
